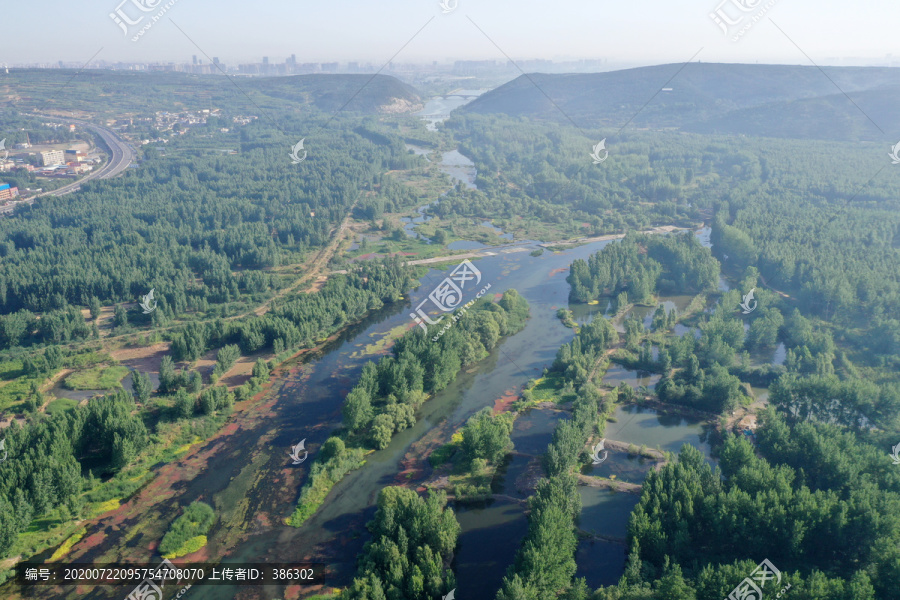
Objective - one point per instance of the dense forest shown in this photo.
(818, 501)
(55, 460)
(49, 457)
(812, 218)
(200, 234)
(127, 92)
(413, 540)
(644, 265)
(811, 228)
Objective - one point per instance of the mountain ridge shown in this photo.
(728, 98)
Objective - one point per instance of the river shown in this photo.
(245, 472)
(249, 479)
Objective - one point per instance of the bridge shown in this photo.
(457, 93)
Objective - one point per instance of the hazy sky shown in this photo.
(651, 31)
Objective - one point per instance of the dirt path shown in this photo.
(319, 263)
(609, 484)
(612, 539)
(315, 272)
(625, 447)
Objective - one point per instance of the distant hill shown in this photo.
(115, 93)
(379, 95)
(766, 100)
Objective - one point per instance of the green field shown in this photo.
(97, 378)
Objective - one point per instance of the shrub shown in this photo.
(196, 521)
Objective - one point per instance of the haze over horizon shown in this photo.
(828, 33)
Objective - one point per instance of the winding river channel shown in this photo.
(307, 405)
(245, 471)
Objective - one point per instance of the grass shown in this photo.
(83, 359)
(443, 454)
(97, 378)
(67, 545)
(11, 369)
(105, 507)
(60, 405)
(187, 533)
(189, 547)
(548, 389)
(46, 531)
(11, 392)
(381, 345)
(186, 447)
(322, 478)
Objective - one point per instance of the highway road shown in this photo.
(122, 155)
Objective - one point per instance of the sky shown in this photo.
(826, 32)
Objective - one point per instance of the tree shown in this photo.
(260, 369)
(486, 436)
(357, 409)
(184, 404)
(226, 357)
(208, 402)
(412, 539)
(53, 357)
(672, 585)
(382, 430)
(439, 237)
(167, 375)
(141, 386)
(120, 316)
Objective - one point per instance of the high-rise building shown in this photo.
(195, 59)
(52, 157)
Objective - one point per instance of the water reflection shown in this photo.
(489, 537)
(668, 432)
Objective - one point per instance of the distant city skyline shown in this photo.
(796, 32)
